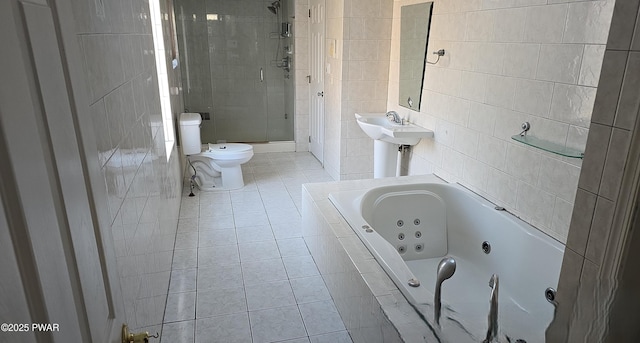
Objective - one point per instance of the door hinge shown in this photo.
(309, 139)
(309, 13)
(308, 78)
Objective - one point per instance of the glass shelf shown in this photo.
(549, 146)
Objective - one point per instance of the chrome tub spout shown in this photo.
(446, 268)
(492, 330)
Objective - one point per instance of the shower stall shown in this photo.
(236, 61)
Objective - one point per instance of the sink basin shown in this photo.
(378, 127)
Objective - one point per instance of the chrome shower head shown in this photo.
(274, 7)
(446, 268)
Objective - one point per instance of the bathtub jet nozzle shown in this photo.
(446, 269)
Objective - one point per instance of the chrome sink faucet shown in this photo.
(393, 117)
(492, 331)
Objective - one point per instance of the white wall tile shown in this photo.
(591, 65)
(585, 21)
(480, 26)
(558, 178)
(545, 24)
(500, 91)
(560, 63)
(472, 86)
(573, 104)
(492, 151)
(533, 97)
(521, 60)
(482, 118)
(509, 25)
(502, 187)
(536, 203)
(523, 164)
(466, 141)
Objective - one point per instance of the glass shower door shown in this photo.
(249, 94)
(236, 50)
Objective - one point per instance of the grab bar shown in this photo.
(261, 75)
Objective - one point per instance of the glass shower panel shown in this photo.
(193, 45)
(250, 92)
(236, 49)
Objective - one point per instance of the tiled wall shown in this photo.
(365, 65)
(508, 62)
(143, 185)
(605, 190)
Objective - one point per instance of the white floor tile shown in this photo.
(321, 317)
(243, 219)
(269, 295)
(183, 280)
(334, 337)
(218, 256)
(254, 234)
(186, 240)
(310, 289)
(292, 247)
(185, 259)
(218, 222)
(218, 302)
(263, 271)
(233, 328)
(220, 277)
(300, 266)
(178, 332)
(180, 307)
(210, 238)
(277, 324)
(258, 251)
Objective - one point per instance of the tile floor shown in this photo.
(241, 270)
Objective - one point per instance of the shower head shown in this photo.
(274, 7)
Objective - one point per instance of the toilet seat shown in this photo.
(228, 151)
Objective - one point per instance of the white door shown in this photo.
(60, 246)
(316, 89)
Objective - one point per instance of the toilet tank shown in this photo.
(190, 133)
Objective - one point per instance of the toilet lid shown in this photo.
(228, 148)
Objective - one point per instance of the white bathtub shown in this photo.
(415, 225)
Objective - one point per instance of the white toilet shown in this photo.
(217, 166)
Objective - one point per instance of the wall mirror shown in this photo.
(414, 35)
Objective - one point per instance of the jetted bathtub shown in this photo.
(409, 228)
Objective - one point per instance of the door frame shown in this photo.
(316, 82)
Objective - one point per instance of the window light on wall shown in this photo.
(163, 79)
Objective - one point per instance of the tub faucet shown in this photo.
(492, 331)
(393, 117)
(446, 268)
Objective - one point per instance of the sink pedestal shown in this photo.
(385, 157)
(387, 138)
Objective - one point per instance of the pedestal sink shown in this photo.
(387, 137)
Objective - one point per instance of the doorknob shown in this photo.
(321, 94)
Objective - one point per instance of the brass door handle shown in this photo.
(141, 337)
